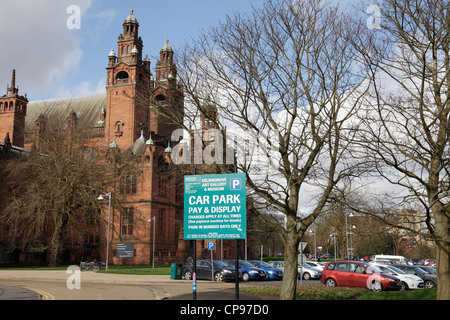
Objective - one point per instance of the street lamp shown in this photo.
(153, 251)
(315, 247)
(334, 236)
(346, 233)
(100, 198)
(351, 239)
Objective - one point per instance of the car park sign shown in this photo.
(215, 207)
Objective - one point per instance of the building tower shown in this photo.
(167, 97)
(128, 88)
(13, 110)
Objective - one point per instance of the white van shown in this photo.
(382, 258)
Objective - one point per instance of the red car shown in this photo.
(358, 274)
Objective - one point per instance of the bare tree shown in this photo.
(286, 80)
(405, 130)
(52, 200)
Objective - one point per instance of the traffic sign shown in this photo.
(215, 206)
(210, 245)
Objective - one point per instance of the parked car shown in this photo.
(249, 272)
(429, 279)
(315, 265)
(428, 262)
(272, 273)
(303, 271)
(409, 281)
(308, 273)
(204, 271)
(428, 269)
(358, 274)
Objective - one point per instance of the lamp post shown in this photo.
(351, 239)
(100, 198)
(334, 236)
(153, 250)
(346, 233)
(315, 247)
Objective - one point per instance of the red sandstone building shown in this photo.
(121, 119)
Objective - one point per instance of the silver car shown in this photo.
(305, 272)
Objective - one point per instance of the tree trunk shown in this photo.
(443, 257)
(289, 286)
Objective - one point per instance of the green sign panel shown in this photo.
(215, 207)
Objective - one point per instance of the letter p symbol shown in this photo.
(236, 184)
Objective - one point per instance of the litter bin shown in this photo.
(176, 271)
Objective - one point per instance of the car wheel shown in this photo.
(245, 276)
(404, 286)
(188, 275)
(330, 283)
(218, 276)
(429, 284)
(376, 286)
(306, 276)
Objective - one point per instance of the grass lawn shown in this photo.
(318, 292)
(138, 269)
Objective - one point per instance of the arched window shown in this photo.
(127, 221)
(122, 75)
(160, 98)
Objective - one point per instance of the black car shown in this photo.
(220, 272)
(430, 280)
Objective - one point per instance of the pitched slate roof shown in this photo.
(87, 109)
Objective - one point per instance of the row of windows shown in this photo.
(128, 185)
(348, 267)
(12, 107)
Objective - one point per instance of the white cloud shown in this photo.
(37, 43)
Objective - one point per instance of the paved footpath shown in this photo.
(179, 288)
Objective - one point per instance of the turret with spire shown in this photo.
(13, 109)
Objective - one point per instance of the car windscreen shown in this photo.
(397, 270)
(219, 264)
(245, 264)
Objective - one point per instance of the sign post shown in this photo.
(301, 259)
(215, 208)
(211, 248)
(124, 250)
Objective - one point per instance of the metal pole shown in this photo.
(346, 236)
(153, 253)
(194, 276)
(109, 222)
(236, 274)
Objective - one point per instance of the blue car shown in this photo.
(249, 272)
(272, 273)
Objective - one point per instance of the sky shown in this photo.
(59, 53)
